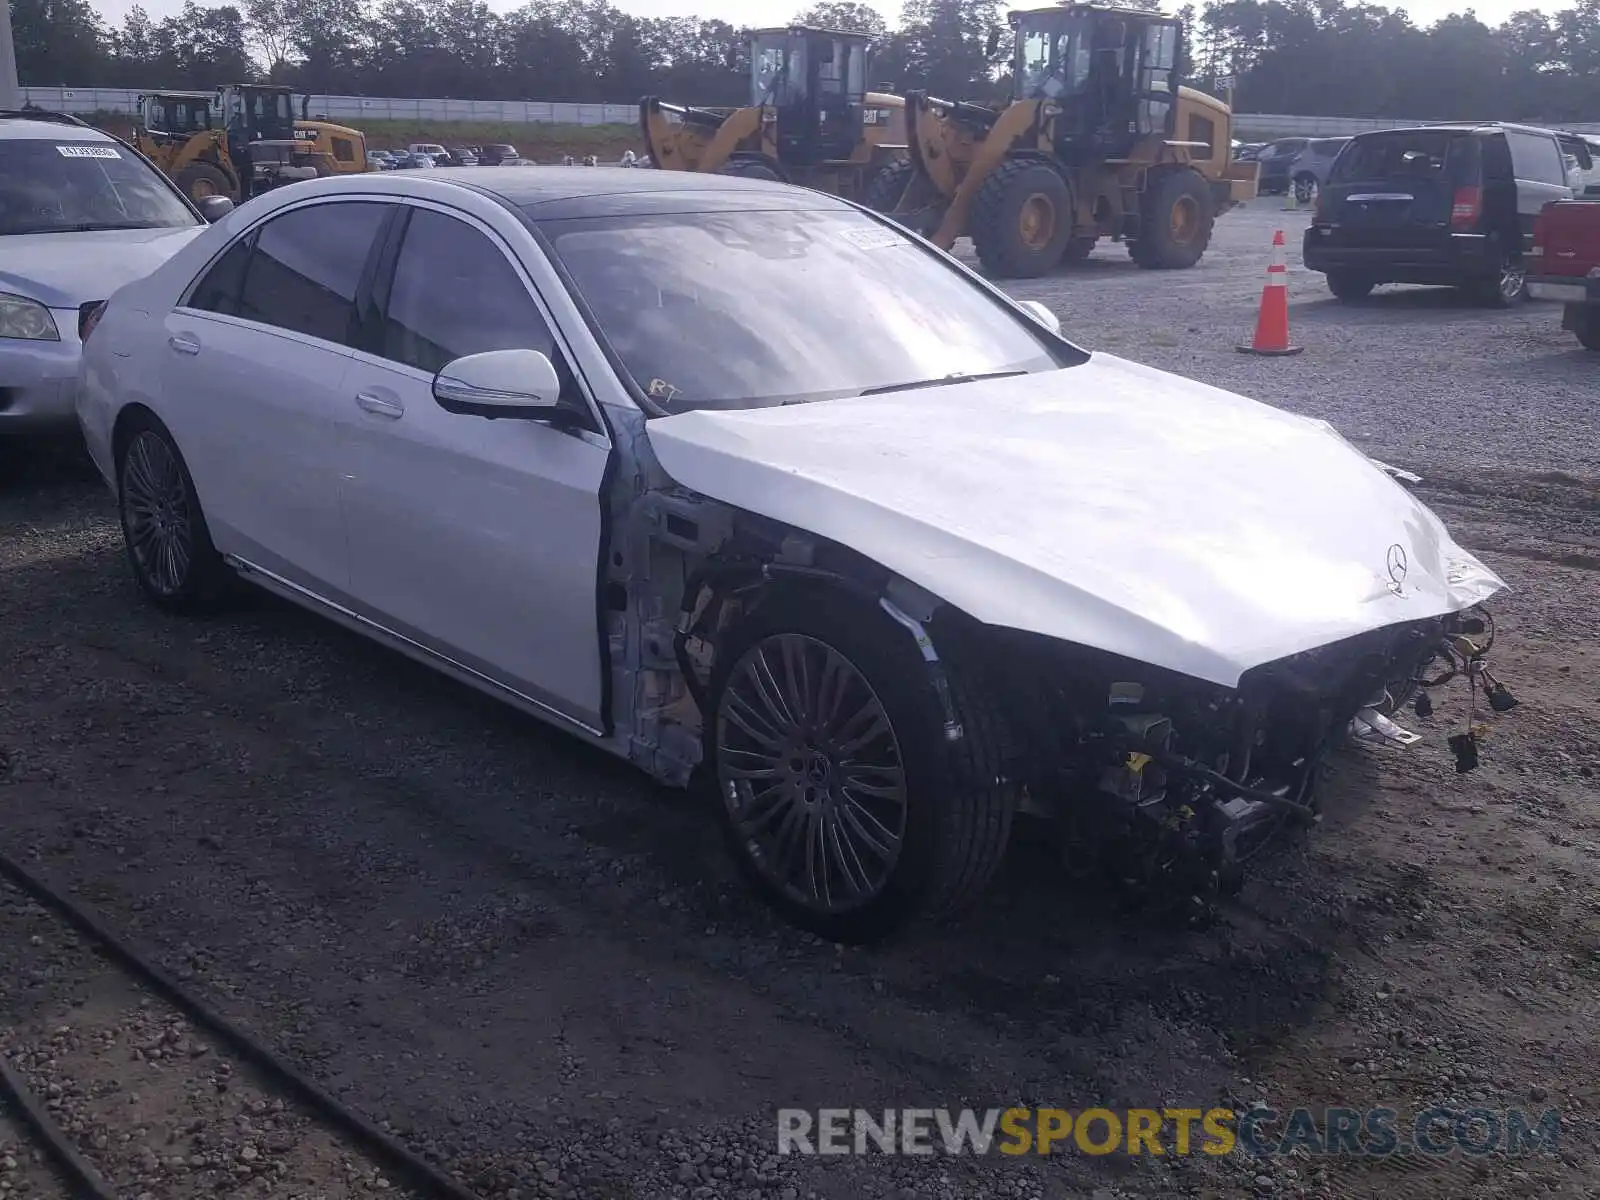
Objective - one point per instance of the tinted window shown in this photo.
(219, 290)
(307, 266)
(747, 309)
(1203, 129)
(455, 293)
(1536, 158)
(1404, 154)
(66, 183)
(344, 149)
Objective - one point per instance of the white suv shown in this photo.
(81, 214)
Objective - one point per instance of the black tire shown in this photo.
(1175, 222)
(1305, 189)
(1079, 249)
(1586, 326)
(1022, 220)
(1505, 289)
(955, 818)
(149, 465)
(888, 185)
(1349, 287)
(199, 180)
(750, 168)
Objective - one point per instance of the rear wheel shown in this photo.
(1585, 324)
(845, 804)
(1175, 222)
(1305, 189)
(199, 181)
(750, 168)
(1349, 287)
(1022, 220)
(1505, 289)
(887, 187)
(168, 543)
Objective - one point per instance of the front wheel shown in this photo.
(168, 543)
(1507, 288)
(1175, 222)
(1022, 220)
(887, 187)
(1305, 189)
(847, 807)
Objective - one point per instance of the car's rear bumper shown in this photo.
(1568, 289)
(39, 380)
(1443, 258)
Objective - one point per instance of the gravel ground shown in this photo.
(541, 971)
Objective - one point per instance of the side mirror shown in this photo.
(214, 208)
(1042, 314)
(992, 46)
(500, 383)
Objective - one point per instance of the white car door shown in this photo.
(253, 374)
(478, 539)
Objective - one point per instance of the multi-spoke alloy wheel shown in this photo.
(156, 514)
(169, 546)
(812, 773)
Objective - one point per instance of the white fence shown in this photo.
(353, 110)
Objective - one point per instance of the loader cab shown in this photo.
(814, 82)
(1113, 72)
(257, 114)
(175, 116)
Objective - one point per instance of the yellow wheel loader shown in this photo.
(241, 139)
(811, 120)
(1100, 140)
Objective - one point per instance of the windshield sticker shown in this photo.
(83, 150)
(872, 238)
(660, 389)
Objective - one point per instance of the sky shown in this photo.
(774, 12)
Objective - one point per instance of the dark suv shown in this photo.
(1439, 204)
(497, 155)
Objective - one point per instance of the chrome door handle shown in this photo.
(183, 343)
(373, 403)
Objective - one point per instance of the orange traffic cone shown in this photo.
(1272, 323)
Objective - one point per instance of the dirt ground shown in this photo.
(541, 972)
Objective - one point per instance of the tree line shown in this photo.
(1310, 57)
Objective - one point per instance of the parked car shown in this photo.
(1439, 204)
(499, 154)
(1275, 159)
(413, 161)
(1309, 170)
(381, 160)
(460, 156)
(1247, 151)
(1565, 265)
(431, 149)
(887, 560)
(81, 214)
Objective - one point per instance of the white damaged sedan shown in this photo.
(738, 479)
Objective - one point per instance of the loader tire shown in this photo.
(1022, 220)
(1175, 222)
(200, 180)
(887, 187)
(750, 168)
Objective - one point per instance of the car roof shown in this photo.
(552, 192)
(20, 125)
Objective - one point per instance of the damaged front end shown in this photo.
(1172, 784)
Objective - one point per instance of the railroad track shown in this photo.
(119, 1083)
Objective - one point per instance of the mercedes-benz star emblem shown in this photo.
(1397, 568)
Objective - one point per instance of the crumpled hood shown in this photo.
(1110, 505)
(64, 270)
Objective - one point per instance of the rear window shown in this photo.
(1405, 154)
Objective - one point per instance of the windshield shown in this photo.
(723, 310)
(63, 186)
(1053, 60)
(766, 66)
